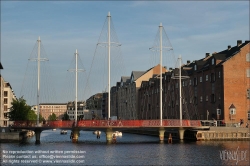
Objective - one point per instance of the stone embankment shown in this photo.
(7, 135)
(224, 133)
(214, 133)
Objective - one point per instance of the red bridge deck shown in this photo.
(109, 123)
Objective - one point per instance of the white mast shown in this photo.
(76, 91)
(38, 80)
(109, 65)
(76, 70)
(160, 72)
(180, 91)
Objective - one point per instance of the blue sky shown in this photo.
(193, 28)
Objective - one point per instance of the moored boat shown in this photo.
(63, 131)
(96, 132)
(118, 133)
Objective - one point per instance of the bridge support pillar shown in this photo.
(109, 134)
(75, 132)
(181, 134)
(161, 134)
(38, 134)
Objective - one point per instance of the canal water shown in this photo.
(130, 149)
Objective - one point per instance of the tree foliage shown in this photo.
(65, 116)
(52, 117)
(20, 111)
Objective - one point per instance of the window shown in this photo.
(232, 111)
(206, 77)
(190, 82)
(195, 67)
(201, 98)
(212, 77)
(207, 98)
(195, 100)
(248, 93)
(200, 79)
(212, 98)
(248, 73)
(5, 93)
(195, 81)
(218, 111)
(219, 74)
(5, 101)
(248, 57)
(212, 61)
(248, 115)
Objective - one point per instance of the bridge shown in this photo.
(108, 126)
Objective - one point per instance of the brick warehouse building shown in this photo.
(149, 97)
(126, 104)
(217, 88)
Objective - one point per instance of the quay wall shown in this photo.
(223, 133)
(7, 135)
(214, 133)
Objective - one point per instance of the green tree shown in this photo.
(41, 118)
(20, 111)
(65, 116)
(52, 117)
(31, 115)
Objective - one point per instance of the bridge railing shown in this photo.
(107, 123)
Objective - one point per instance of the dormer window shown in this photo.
(195, 67)
(132, 78)
(213, 61)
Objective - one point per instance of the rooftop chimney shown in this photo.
(188, 61)
(239, 42)
(207, 54)
(228, 47)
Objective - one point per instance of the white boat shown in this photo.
(53, 129)
(64, 131)
(95, 132)
(118, 133)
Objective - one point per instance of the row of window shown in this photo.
(52, 106)
(52, 110)
(73, 113)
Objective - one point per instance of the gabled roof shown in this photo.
(137, 74)
(125, 79)
(232, 106)
(223, 55)
(228, 53)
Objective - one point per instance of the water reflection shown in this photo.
(138, 150)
